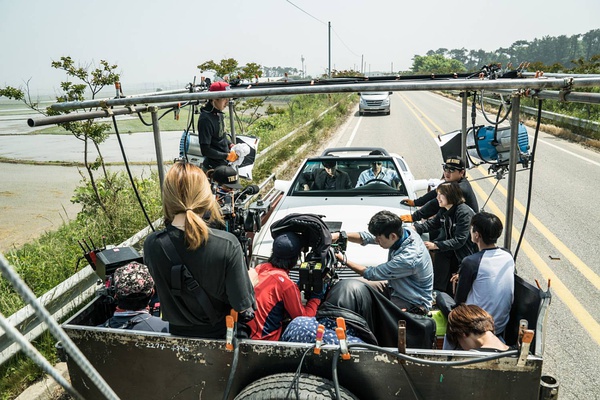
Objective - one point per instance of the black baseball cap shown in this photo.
(226, 176)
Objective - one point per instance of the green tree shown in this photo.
(12, 93)
(93, 78)
(436, 64)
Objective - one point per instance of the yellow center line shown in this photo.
(556, 242)
(578, 310)
(584, 317)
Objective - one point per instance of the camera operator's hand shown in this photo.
(335, 236)
(321, 295)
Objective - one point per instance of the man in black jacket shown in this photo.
(214, 143)
(326, 178)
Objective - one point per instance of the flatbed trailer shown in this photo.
(163, 366)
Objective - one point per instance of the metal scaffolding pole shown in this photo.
(256, 90)
(158, 146)
(512, 169)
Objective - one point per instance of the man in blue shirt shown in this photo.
(408, 271)
(379, 172)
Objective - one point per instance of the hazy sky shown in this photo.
(161, 41)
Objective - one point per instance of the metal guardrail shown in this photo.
(59, 301)
(76, 290)
(565, 119)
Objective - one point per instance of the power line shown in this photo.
(310, 15)
(349, 49)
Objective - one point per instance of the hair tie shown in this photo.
(188, 209)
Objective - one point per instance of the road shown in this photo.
(560, 243)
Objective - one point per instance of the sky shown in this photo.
(162, 42)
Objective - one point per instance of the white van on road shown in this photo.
(374, 102)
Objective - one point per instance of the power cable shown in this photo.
(527, 207)
(305, 12)
(137, 195)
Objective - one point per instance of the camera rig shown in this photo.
(242, 218)
(318, 267)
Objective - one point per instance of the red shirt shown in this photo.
(277, 297)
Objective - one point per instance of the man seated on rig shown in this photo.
(327, 178)
(378, 172)
(472, 328)
(407, 276)
(277, 296)
(134, 287)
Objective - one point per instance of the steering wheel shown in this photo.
(377, 180)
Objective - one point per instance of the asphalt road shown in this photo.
(561, 239)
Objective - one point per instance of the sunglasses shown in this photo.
(450, 169)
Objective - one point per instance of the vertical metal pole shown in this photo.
(157, 145)
(463, 129)
(232, 120)
(362, 63)
(512, 169)
(329, 37)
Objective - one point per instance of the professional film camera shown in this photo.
(317, 270)
(242, 218)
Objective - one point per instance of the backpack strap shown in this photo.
(181, 279)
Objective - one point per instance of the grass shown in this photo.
(47, 261)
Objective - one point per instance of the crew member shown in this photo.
(214, 143)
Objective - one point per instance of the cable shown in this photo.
(349, 49)
(312, 16)
(130, 175)
(295, 384)
(509, 108)
(415, 360)
(236, 354)
(527, 207)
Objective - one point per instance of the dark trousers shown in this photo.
(445, 264)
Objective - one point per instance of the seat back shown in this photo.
(530, 303)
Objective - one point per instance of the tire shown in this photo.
(275, 387)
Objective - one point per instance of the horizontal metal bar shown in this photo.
(256, 91)
(573, 97)
(105, 113)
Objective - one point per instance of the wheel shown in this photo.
(361, 113)
(378, 180)
(281, 386)
(388, 112)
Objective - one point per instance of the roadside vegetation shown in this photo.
(52, 258)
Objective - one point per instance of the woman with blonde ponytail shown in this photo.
(213, 257)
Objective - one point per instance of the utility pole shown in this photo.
(329, 36)
(302, 58)
(392, 67)
(362, 63)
